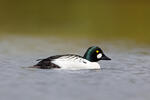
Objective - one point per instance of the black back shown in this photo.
(47, 63)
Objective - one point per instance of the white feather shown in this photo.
(99, 55)
(75, 63)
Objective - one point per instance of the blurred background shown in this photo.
(102, 19)
(36, 29)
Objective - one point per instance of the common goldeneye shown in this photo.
(74, 62)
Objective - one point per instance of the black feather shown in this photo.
(47, 63)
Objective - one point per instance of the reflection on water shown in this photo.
(91, 18)
(125, 77)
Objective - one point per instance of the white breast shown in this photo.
(75, 63)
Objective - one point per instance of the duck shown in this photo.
(73, 61)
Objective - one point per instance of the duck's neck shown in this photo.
(87, 56)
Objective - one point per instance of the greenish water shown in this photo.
(34, 29)
(81, 18)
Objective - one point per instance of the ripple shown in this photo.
(126, 76)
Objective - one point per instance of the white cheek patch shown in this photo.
(99, 56)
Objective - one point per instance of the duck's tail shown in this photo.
(34, 66)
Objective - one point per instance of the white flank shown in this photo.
(75, 63)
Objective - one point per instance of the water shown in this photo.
(125, 77)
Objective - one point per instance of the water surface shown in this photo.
(125, 77)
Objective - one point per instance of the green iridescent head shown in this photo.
(95, 54)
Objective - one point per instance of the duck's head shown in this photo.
(95, 54)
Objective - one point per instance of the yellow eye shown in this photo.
(97, 51)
